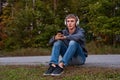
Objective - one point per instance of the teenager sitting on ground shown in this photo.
(70, 44)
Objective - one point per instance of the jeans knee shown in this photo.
(72, 42)
(57, 43)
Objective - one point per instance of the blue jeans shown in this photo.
(71, 54)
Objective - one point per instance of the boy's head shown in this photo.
(72, 16)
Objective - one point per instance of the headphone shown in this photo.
(72, 15)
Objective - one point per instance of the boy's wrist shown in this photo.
(65, 37)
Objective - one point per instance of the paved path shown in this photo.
(92, 60)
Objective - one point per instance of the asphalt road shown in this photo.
(92, 60)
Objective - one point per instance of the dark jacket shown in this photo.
(78, 36)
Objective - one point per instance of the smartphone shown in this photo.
(60, 32)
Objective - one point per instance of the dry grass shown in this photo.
(91, 47)
(27, 52)
(103, 49)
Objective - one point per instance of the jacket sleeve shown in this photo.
(79, 36)
(52, 40)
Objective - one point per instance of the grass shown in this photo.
(18, 72)
(91, 47)
(102, 49)
(70, 73)
(26, 52)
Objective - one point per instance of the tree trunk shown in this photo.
(0, 7)
(55, 6)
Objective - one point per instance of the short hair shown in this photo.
(72, 16)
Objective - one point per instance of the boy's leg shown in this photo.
(79, 58)
(73, 53)
(58, 49)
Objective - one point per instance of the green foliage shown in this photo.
(19, 29)
(31, 28)
(105, 21)
(30, 23)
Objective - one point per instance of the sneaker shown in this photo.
(57, 71)
(49, 71)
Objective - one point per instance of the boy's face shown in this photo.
(71, 23)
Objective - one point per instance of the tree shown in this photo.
(30, 23)
(104, 19)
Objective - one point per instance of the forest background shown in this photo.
(27, 25)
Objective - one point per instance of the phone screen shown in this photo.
(60, 32)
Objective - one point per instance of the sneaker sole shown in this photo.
(46, 74)
(56, 74)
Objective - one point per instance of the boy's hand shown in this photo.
(59, 36)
